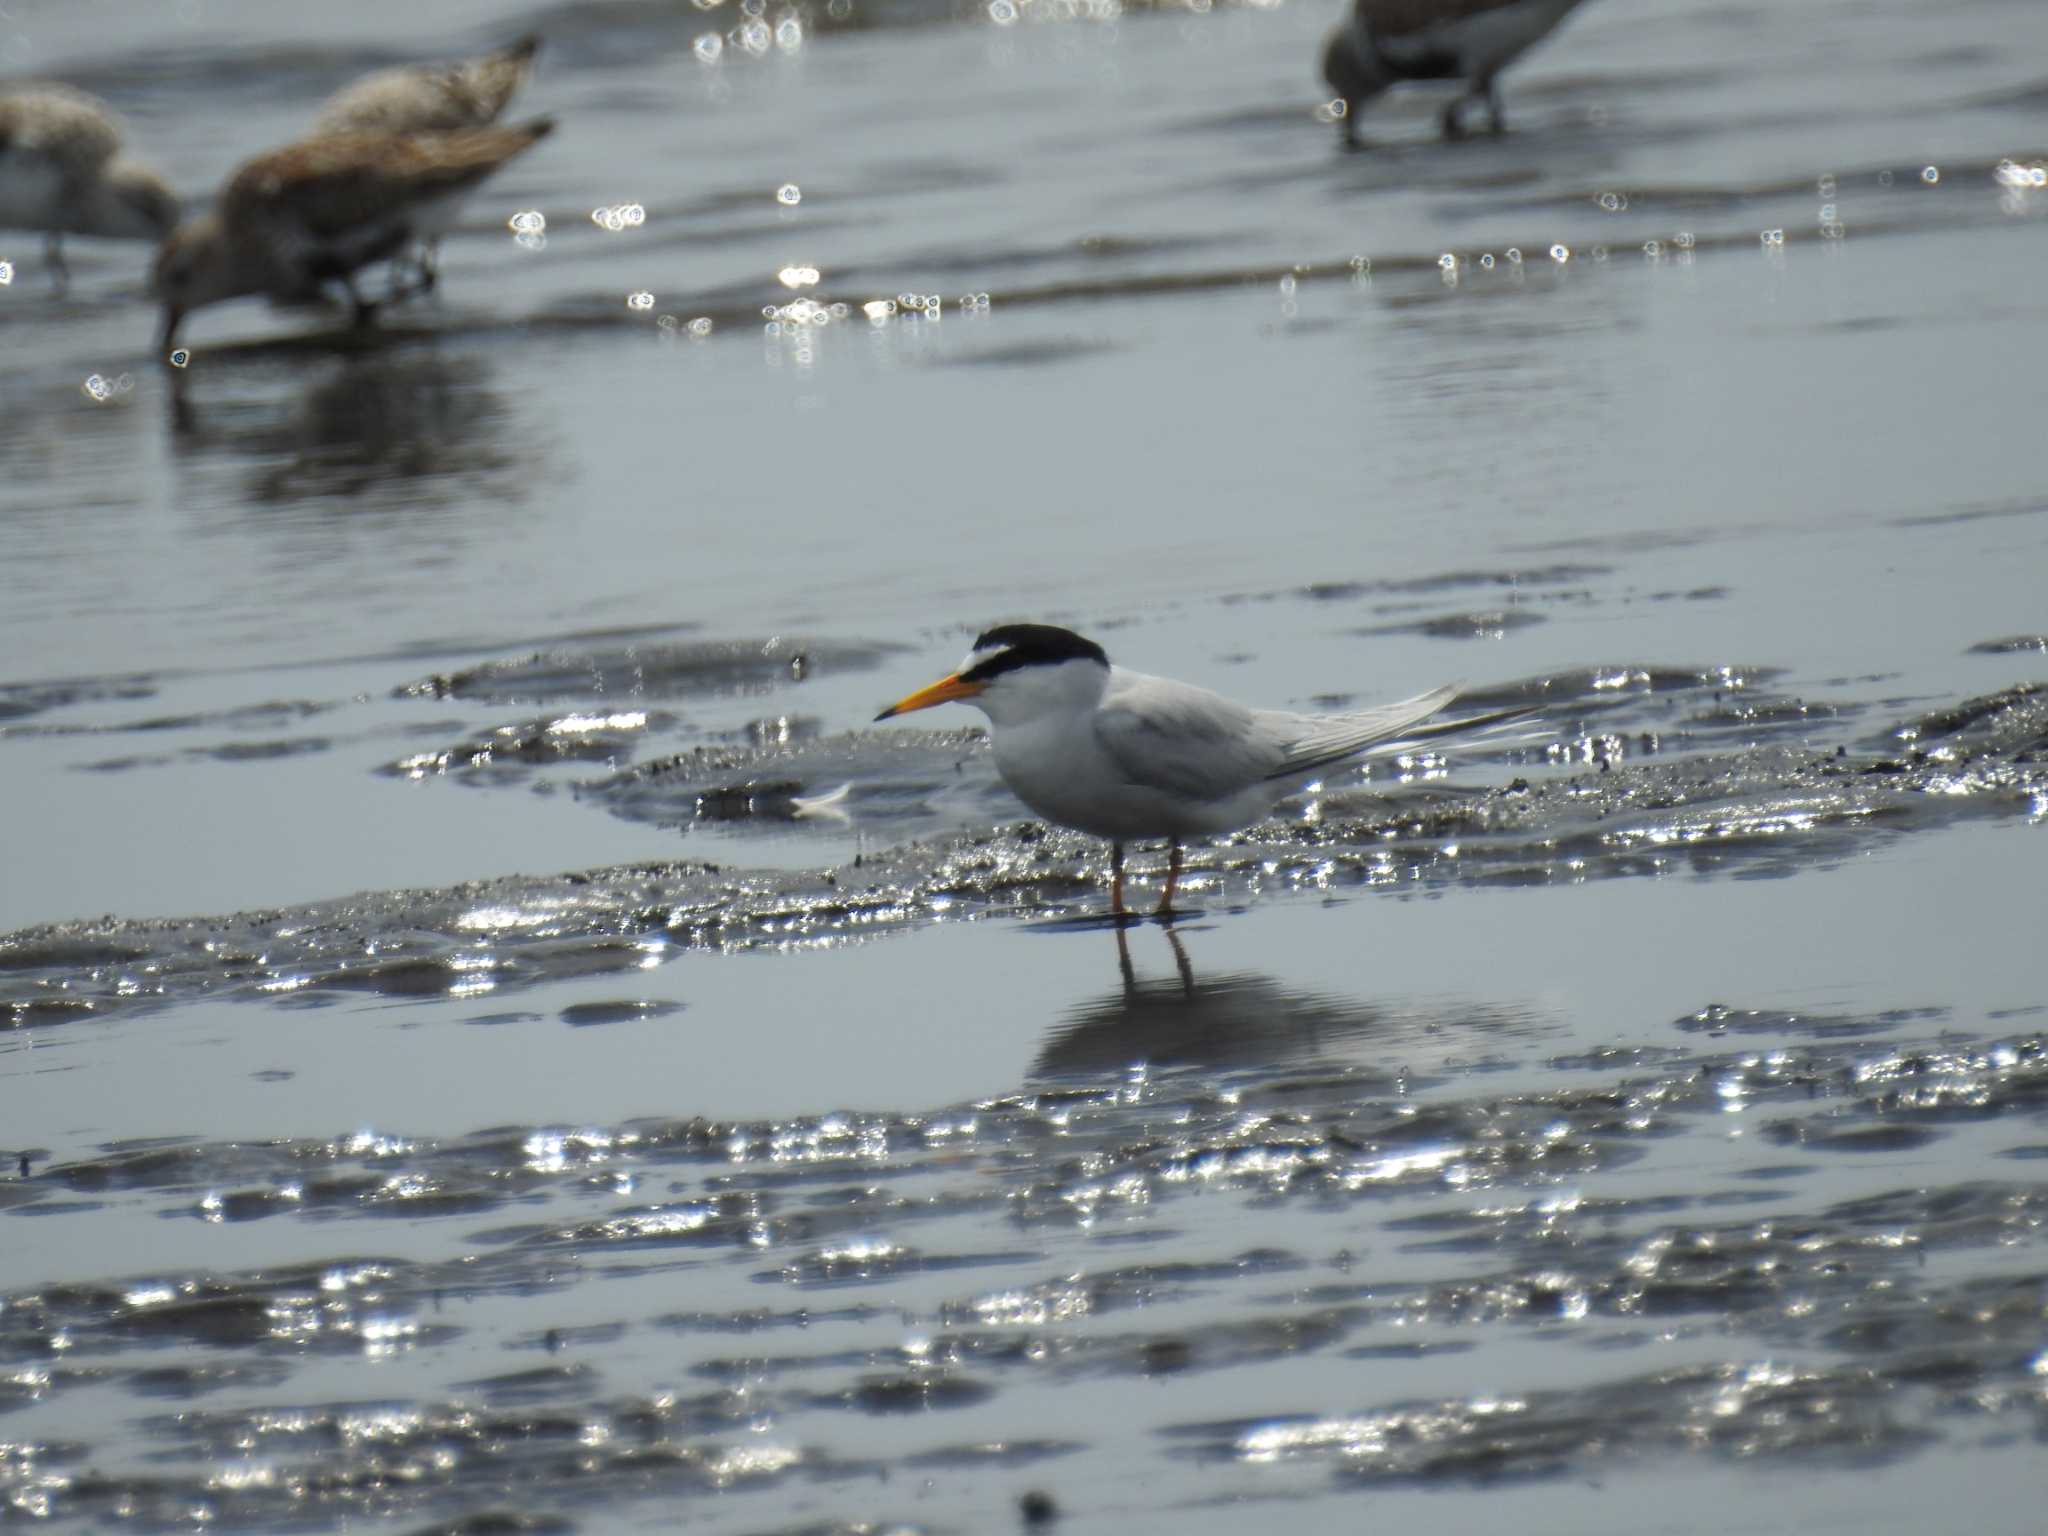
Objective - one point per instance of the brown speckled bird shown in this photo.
(62, 172)
(1386, 41)
(430, 98)
(317, 211)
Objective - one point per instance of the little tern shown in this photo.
(1121, 755)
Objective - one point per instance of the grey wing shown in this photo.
(1186, 741)
(1320, 740)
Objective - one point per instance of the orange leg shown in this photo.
(1172, 879)
(1116, 883)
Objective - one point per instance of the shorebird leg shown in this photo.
(1493, 113)
(53, 254)
(1123, 961)
(1182, 964)
(1116, 881)
(401, 291)
(1453, 129)
(1172, 879)
(414, 275)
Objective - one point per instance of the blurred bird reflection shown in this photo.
(1243, 1019)
(390, 425)
(1178, 1019)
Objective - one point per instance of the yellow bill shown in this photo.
(945, 691)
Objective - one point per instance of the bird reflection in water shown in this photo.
(1241, 1019)
(387, 424)
(1234, 1019)
(1180, 959)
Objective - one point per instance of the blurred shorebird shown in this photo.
(431, 98)
(1387, 41)
(317, 211)
(62, 172)
(1121, 755)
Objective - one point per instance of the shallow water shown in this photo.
(486, 1094)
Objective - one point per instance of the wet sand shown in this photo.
(453, 1085)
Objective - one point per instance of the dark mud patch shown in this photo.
(660, 671)
(1760, 811)
(1716, 1021)
(274, 713)
(1481, 624)
(511, 752)
(619, 1012)
(1552, 577)
(929, 778)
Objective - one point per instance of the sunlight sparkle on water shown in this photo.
(619, 216)
(529, 229)
(623, 720)
(789, 194)
(752, 1461)
(495, 919)
(800, 314)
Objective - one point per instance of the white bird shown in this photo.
(1386, 41)
(1125, 756)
